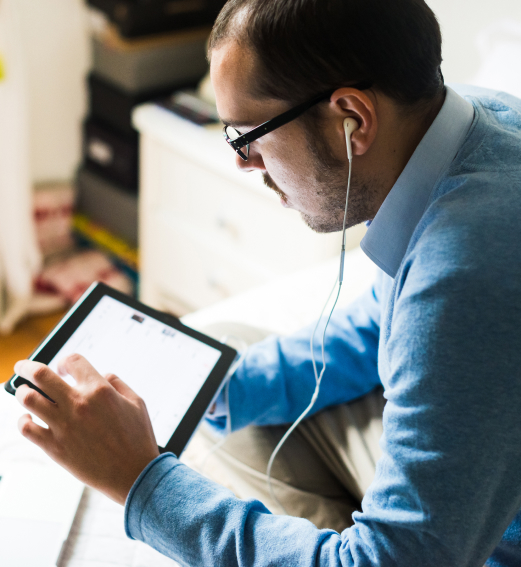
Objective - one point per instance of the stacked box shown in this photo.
(111, 154)
(107, 204)
(145, 65)
(113, 105)
(127, 72)
(135, 18)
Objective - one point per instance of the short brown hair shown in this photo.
(304, 47)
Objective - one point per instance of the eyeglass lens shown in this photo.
(233, 134)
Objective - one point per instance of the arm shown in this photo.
(276, 380)
(447, 485)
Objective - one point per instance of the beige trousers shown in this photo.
(322, 471)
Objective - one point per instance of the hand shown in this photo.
(99, 430)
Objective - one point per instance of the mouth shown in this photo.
(268, 181)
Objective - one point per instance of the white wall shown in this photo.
(57, 51)
(481, 42)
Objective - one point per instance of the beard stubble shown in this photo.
(330, 180)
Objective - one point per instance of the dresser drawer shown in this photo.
(243, 220)
(196, 271)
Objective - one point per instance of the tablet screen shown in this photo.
(163, 365)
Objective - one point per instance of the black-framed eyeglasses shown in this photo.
(241, 142)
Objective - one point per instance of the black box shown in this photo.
(142, 17)
(107, 204)
(152, 63)
(114, 105)
(111, 154)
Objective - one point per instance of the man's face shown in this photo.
(298, 163)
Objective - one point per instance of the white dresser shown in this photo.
(206, 230)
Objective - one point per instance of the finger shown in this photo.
(79, 368)
(33, 401)
(43, 377)
(35, 433)
(120, 386)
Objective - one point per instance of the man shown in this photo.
(439, 176)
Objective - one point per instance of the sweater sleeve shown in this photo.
(275, 382)
(194, 521)
(446, 487)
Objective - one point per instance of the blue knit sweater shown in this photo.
(441, 330)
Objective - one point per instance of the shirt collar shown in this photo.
(390, 231)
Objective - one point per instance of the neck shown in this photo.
(398, 138)
(419, 124)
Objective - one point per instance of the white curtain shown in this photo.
(19, 256)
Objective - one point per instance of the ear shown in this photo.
(352, 103)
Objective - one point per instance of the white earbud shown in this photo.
(350, 125)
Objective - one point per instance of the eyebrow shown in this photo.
(239, 124)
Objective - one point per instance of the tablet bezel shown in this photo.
(48, 349)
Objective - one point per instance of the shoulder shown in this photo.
(469, 235)
(490, 99)
(472, 219)
(494, 140)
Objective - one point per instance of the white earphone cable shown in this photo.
(318, 378)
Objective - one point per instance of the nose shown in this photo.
(253, 162)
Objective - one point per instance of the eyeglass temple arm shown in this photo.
(277, 122)
(287, 116)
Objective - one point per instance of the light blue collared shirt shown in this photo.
(389, 233)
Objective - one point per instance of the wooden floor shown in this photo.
(26, 337)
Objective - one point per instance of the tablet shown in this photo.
(176, 370)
